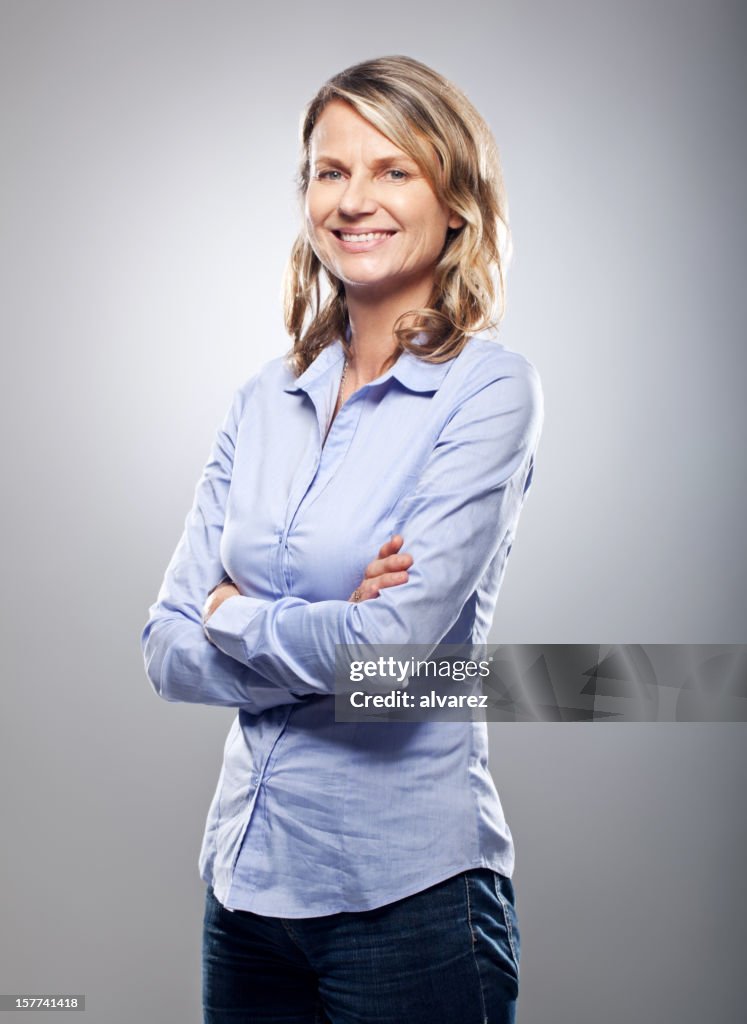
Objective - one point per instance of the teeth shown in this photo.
(346, 236)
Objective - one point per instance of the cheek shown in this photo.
(310, 217)
(314, 231)
(432, 237)
(314, 209)
(432, 223)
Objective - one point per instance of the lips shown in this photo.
(362, 236)
(362, 241)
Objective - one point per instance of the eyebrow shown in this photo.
(382, 161)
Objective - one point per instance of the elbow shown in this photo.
(156, 649)
(382, 627)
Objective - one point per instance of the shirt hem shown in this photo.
(256, 905)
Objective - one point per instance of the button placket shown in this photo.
(326, 462)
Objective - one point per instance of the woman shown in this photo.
(360, 871)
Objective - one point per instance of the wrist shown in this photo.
(222, 592)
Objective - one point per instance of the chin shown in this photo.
(374, 285)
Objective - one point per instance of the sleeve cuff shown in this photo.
(229, 624)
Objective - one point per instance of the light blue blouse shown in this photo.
(312, 816)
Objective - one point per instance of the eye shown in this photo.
(328, 175)
(397, 174)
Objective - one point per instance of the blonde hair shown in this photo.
(436, 125)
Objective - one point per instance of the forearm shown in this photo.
(300, 645)
(294, 643)
(182, 665)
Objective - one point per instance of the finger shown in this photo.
(392, 563)
(392, 546)
(391, 579)
(365, 590)
(370, 588)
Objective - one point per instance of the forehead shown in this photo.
(341, 128)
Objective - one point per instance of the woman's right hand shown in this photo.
(389, 569)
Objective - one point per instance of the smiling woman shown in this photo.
(361, 870)
(413, 129)
(372, 216)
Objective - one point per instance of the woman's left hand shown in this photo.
(388, 570)
(218, 596)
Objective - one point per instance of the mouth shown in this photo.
(362, 241)
(361, 236)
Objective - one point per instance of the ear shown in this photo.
(455, 221)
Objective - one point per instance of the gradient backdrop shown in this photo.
(149, 151)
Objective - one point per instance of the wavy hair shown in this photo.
(432, 121)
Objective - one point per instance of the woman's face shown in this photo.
(371, 215)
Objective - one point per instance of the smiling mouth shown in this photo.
(362, 236)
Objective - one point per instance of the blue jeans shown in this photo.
(447, 955)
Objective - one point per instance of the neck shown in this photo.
(372, 320)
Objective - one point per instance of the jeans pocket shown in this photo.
(504, 890)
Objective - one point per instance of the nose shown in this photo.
(357, 197)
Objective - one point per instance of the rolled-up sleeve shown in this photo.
(464, 506)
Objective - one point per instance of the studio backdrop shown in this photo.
(148, 209)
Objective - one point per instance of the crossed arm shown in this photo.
(242, 651)
(388, 569)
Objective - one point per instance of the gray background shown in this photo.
(147, 200)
